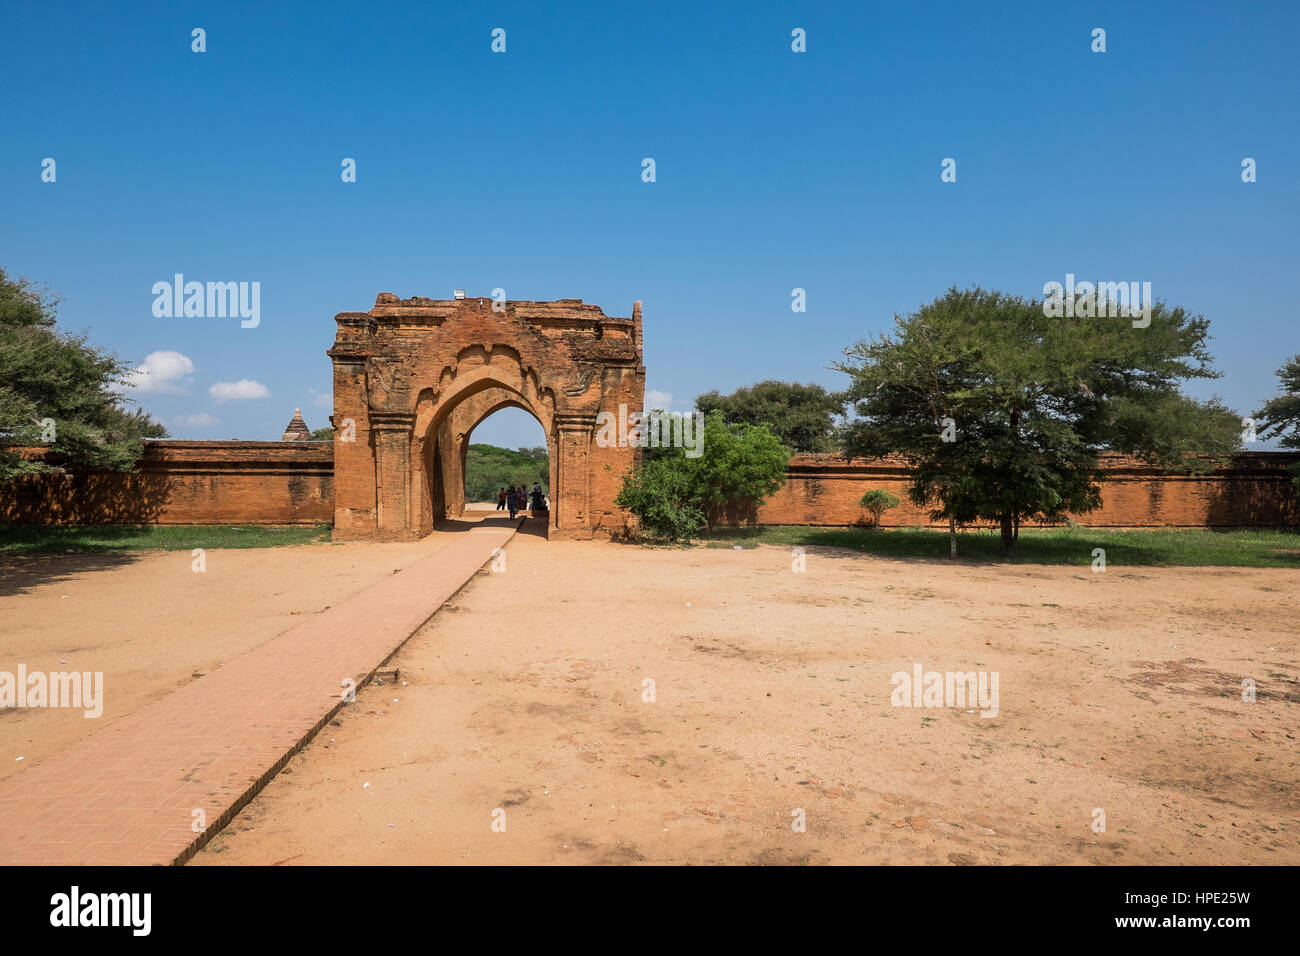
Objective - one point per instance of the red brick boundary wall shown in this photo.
(186, 482)
(1254, 490)
(280, 482)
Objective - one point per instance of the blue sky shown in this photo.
(775, 170)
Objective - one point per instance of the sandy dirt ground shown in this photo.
(521, 729)
(150, 623)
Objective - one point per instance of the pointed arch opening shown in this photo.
(444, 433)
(504, 452)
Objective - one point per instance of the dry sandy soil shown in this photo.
(523, 701)
(150, 623)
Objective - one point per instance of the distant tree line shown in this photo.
(488, 469)
(802, 417)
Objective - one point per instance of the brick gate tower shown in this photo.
(413, 377)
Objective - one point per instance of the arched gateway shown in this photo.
(413, 377)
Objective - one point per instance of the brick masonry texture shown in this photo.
(1254, 490)
(186, 482)
(233, 482)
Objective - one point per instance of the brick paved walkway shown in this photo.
(127, 794)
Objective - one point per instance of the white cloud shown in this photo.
(321, 399)
(244, 388)
(161, 373)
(657, 399)
(198, 420)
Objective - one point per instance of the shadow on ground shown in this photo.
(537, 526)
(1164, 547)
(22, 573)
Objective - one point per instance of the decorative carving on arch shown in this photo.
(477, 368)
(387, 383)
(586, 372)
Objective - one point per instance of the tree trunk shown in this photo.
(952, 537)
(1008, 536)
(1016, 536)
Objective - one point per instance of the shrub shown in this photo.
(674, 496)
(878, 501)
(662, 494)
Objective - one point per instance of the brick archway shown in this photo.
(455, 440)
(412, 377)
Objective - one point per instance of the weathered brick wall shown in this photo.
(238, 482)
(1253, 491)
(187, 482)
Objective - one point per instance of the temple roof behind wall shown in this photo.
(297, 429)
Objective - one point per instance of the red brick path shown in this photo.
(127, 794)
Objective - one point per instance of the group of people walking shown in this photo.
(515, 500)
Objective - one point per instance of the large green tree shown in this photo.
(801, 416)
(1003, 411)
(59, 392)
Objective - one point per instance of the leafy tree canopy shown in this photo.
(1003, 411)
(801, 416)
(59, 392)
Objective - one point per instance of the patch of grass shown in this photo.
(1155, 547)
(30, 539)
